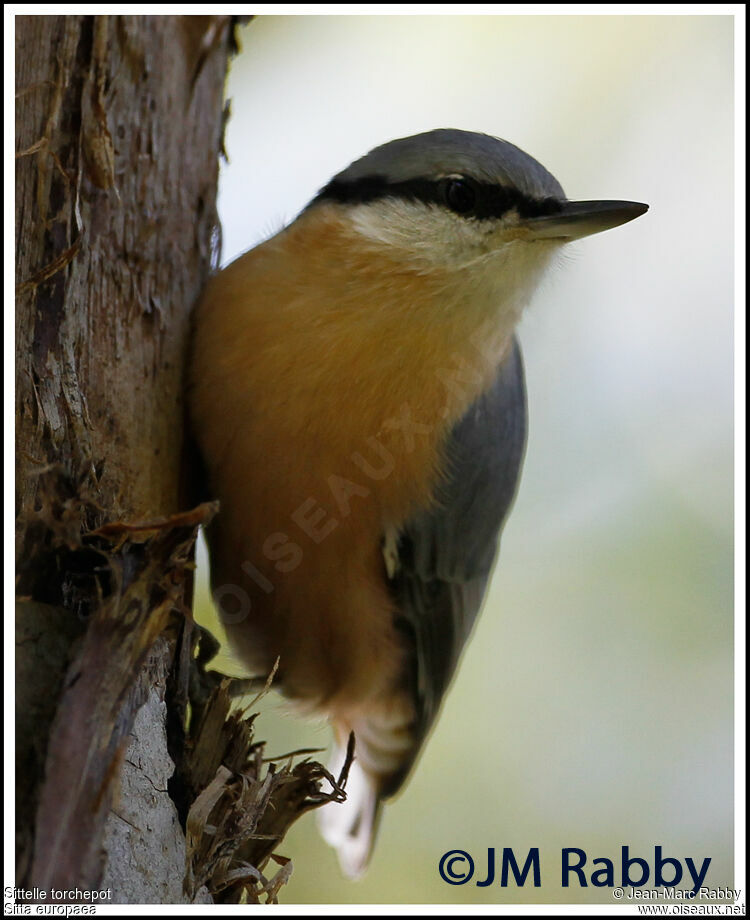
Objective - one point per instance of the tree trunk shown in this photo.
(118, 127)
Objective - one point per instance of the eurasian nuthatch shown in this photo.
(358, 396)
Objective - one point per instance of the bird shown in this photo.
(357, 394)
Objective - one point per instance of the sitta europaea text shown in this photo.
(358, 397)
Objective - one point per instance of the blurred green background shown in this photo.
(593, 707)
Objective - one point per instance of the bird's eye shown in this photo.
(460, 194)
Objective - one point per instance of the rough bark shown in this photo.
(118, 130)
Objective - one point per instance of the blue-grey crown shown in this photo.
(426, 167)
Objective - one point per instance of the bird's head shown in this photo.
(458, 199)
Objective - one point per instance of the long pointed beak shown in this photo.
(582, 218)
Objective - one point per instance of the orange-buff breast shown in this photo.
(320, 407)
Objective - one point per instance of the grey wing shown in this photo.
(446, 555)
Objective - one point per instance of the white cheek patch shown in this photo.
(427, 232)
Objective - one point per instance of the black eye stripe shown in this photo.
(492, 201)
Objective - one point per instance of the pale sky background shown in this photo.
(593, 707)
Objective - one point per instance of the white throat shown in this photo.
(487, 265)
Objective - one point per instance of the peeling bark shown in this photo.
(119, 123)
(118, 131)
